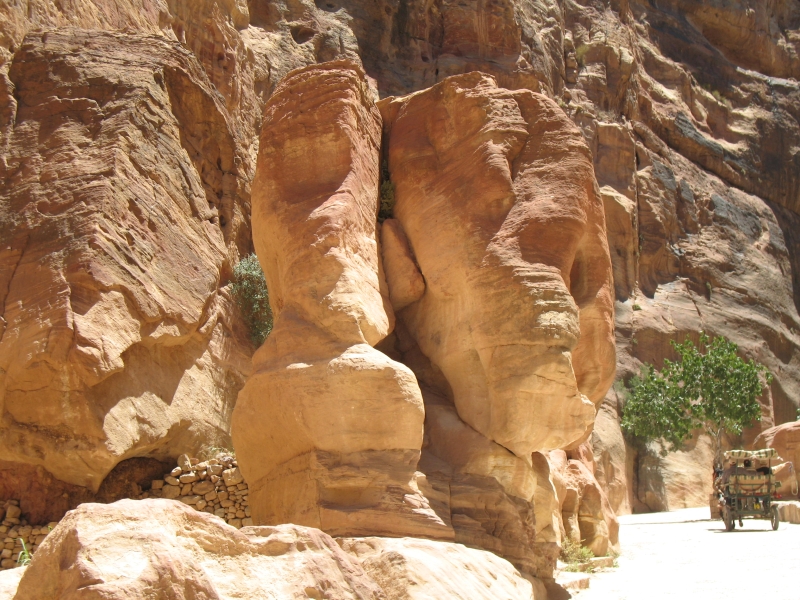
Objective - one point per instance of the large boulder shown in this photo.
(497, 213)
(163, 548)
(496, 194)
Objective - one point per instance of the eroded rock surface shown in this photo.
(512, 336)
(124, 202)
(586, 516)
(515, 317)
(328, 430)
(136, 549)
(496, 193)
(690, 110)
(127, 161)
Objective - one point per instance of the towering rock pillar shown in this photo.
(328, 430)
(498, 209)
(499, 272)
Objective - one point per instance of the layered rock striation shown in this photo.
(495, 326)
(327, 424)
(124, 201)
(129, 134)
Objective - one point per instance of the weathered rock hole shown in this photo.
(301, 34)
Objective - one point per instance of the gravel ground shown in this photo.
(684, 555)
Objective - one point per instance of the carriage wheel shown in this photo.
(727, 517)
(776, 519)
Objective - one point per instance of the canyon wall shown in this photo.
(130, 137)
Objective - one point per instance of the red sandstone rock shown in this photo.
(328, 430)
(517, 309)
(693, 89)
(123, 204)
(585, 512)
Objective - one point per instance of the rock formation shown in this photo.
(700, 185)
(786, 441)
(586, 514)
(511, 339)
(129, 134)
(119, 216)
(504, 283)
(327, 424)
(135, 549)
(496, 194)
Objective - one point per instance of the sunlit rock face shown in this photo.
(328, 430)
(120, 215)
(496, 194)
(512, 336)
(112, 348)
(497, 262)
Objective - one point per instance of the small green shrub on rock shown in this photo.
(575, 555)
(249, 290)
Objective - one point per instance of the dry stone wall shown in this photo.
(18, 536)
(215, 486)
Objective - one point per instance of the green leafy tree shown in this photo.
(710, 387)
(249, 290)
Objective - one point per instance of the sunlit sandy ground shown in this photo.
(684, 555)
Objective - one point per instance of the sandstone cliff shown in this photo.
(129, 135)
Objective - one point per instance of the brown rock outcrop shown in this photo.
(511, 337)
(707, 241)
(690, 110)
(586, 516)
(116, 184)
(496, 193)
(133, 180)
(327, 424)
(134, 549)
(532, 360)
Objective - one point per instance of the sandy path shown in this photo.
(684, 555)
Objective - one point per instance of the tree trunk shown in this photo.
(716, 436)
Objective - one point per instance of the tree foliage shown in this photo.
(709, 388)
(249, 290)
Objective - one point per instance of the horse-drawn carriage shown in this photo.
(746, 487)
